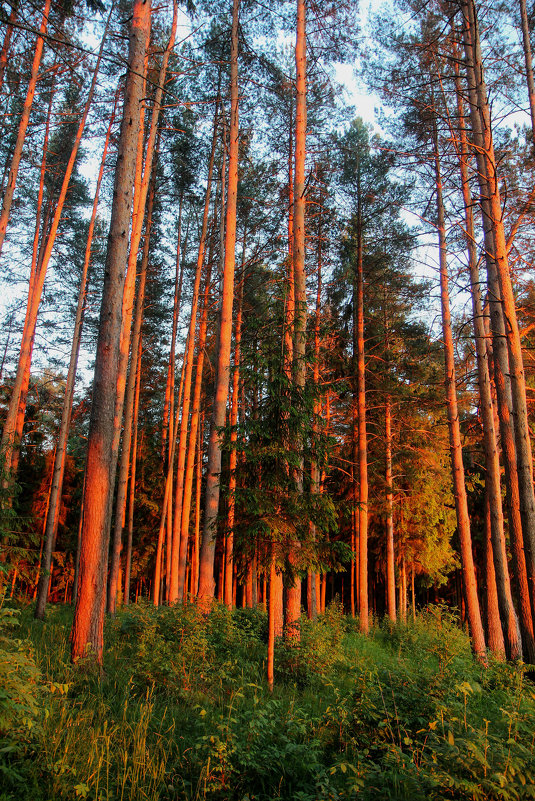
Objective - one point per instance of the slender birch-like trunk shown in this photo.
(194, 430)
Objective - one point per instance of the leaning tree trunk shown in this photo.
(88, 623)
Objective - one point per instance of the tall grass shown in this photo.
(182, 711)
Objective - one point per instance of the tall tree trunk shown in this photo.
(480, 114)
(526, 41)
(459, 489)
(293, 611)
(131, 498)
(7, 41)
(23, 124)
(206, 571)
(87, 629)
(61, 447)
(494, 626)
(41, 225)
(34, 300)
(229, 542)
(168, 410)
(361, 419)
(128, 429)
(390, 561)
(180, 531)
(140, 201)
(312, 599)
(500, 364)
(492, 464)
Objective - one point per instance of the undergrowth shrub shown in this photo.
(182, 711)
(19, 700)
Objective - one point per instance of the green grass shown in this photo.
(183, 712)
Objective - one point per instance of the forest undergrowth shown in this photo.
(183, 711)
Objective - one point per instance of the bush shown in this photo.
(19, 698)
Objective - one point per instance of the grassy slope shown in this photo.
(183, 712)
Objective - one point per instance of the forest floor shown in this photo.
(183, 711)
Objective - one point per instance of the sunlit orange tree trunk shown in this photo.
(459, 488)
(213, 471)
(23, 124)
(501, 288)
(61, 447)
(180, 524)
(499, 576)
(15, 412)
(293, 611)
(87, 629)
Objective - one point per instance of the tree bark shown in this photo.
(492, 464)
(34, 299)
(459, 489)
(130, 535)
(229, 543)
(362, 433)
(494, 626)
(180, 525)
(206, 568)
(87, 629)
(293, 611)
(526, 41)
(61, 447)
(23, 124)
(501, 291)
(390, 561)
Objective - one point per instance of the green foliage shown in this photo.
(19, 696)
(182, 711)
